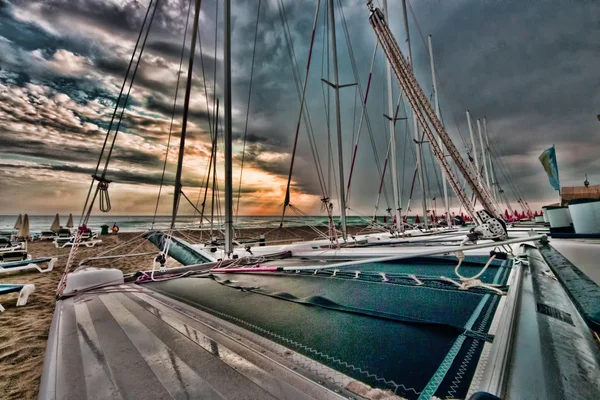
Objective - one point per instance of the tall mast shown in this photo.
(437, 112)
(418, 144)
(338, 121)
(397, 200)
(186, 107)
(477, 174)
(483, 157)
(227, 127)
(489, 153)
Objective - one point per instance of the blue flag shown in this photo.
(548, 160)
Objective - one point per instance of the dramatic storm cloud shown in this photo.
(529, 68)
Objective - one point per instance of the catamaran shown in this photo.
(502, 318)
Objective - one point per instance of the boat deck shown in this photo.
(133, 343)
(395, 334)
(367, 332)
(285, 335)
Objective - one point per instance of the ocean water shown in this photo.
(38, 223)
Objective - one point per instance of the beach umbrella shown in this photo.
(24, 230)
(19, 222)
(417, 220)
(56, 223)
(70, 221)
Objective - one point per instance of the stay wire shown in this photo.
(360, 90)
(81, 221)
(305, 112)
(129, 90)
(210, 122)
(237, 208)
(172, 114)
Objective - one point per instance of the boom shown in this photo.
(428, 119)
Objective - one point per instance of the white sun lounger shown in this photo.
(24, 292)
(86, 243)
(24, 265)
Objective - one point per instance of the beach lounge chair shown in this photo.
(46, 235)
(24, 291)
(10, 251)
(23, 265)
(60, 243)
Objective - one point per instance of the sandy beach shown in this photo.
(24, 330)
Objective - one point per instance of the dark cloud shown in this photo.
(530, 68)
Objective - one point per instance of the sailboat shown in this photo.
(418, 325)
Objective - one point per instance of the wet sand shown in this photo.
(24, 330)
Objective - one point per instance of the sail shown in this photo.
(19, 222)
(548, 160)
(24, 230)
(56, 223)
(70, 221)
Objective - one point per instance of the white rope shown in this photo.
(467, 283)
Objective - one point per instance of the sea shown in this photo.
(38, 223)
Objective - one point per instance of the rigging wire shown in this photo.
(124, 107)
(186, 106)
(162, 178)
(360, 90)
(303, 110)
(326, 94)
(440, 84)
(210, 127)
(83, 219)
(504, 168)
(237, 208)
(102, 182)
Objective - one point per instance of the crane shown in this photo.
(489, 222)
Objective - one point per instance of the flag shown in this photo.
(548, 160)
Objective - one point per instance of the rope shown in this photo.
(237, 208)
(467, 283)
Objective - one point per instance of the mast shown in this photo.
(437, 112)
(418, 144)
(397, 200)
(186, 107)
(477, 174)
(338, 121)
(483, 157)
(489, 153)
(227, 133)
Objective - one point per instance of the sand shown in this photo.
(24, 330)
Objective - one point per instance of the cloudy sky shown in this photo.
(530, 67)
